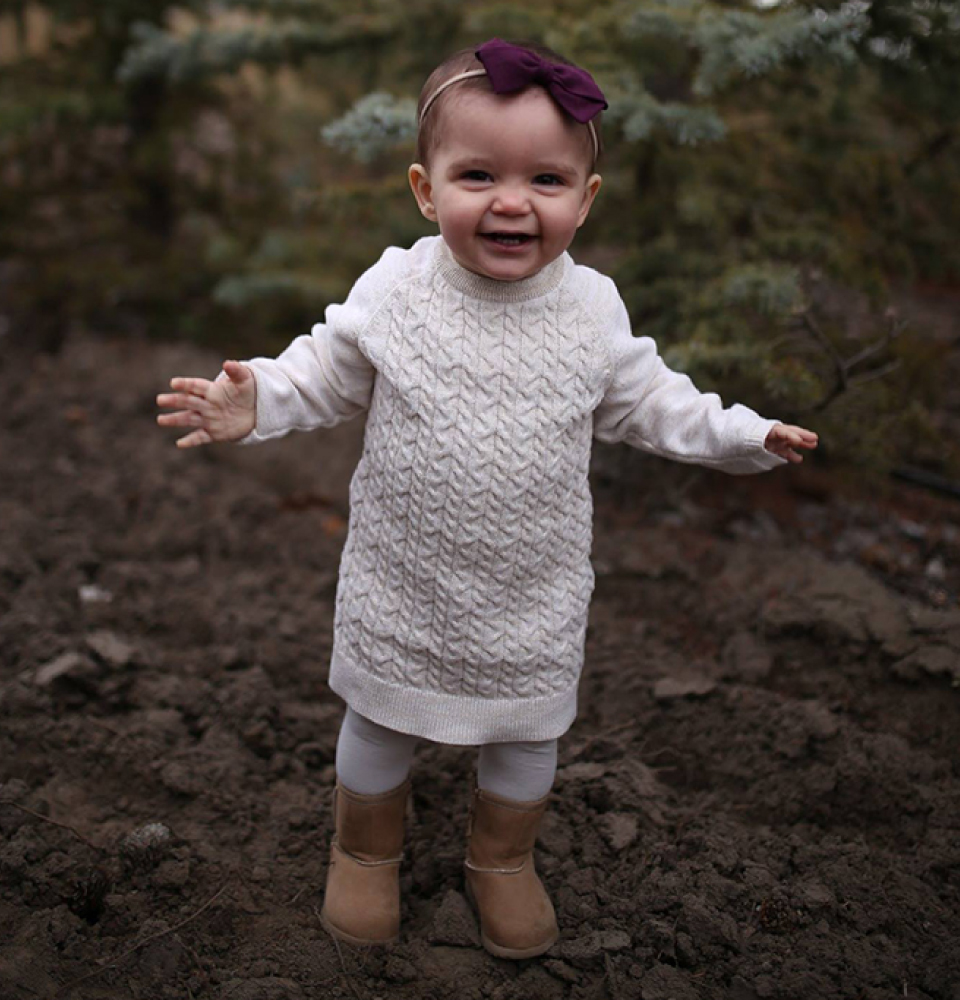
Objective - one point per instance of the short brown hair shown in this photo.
(429, 130)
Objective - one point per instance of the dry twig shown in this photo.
(53, 822)
(343, 965)
(844, 375)
(300, 892)
(153, 937)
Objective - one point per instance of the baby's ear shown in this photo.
(422, 190)
(589, 193)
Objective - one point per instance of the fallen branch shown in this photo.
(929, 480)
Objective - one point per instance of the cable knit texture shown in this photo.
(465, 580)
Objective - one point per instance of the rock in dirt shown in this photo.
(70, 666)
(815, 896)
(143, 848)
(614, 940)
(619, 830)
(582, 951)
(453, 923)
(560, 970)
(689, 686)
(269, 988)
(110, 648)
(90, 593)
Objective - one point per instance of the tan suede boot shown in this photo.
(362, 901)
(517, 919)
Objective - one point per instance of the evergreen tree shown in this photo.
(88, 174)
(771, 173)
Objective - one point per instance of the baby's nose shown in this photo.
(511, 200)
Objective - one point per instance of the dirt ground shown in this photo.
(760, 797)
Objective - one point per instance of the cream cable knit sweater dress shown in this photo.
(466, 579)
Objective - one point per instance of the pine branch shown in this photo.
(843, 368)
(375, 124)
(640, 115)
(208, 52)
(740, 43)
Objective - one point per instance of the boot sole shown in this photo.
(499, 950)
(352, 939)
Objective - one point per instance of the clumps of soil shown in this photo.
(759, 798)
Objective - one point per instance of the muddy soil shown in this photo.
(760, 797)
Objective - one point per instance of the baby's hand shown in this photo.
(783, 438)
(223, 410)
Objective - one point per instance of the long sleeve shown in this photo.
(323, 377)
(661, 411)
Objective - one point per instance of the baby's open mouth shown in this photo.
(508, 239)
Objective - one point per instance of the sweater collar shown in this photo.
(479, 287)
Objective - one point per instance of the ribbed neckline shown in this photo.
(478, 287)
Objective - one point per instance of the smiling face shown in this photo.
(508, 183)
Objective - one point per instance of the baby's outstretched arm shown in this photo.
(222, 410)
(783, 439)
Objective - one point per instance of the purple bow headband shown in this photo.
(511, 68)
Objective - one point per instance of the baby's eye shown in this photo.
(548, 179)
(475, 175)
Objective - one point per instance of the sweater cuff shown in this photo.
(755, 440)
(253, 437)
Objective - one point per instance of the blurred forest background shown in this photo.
(781, 205)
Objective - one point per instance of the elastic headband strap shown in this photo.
(448, 83)
(469, 74)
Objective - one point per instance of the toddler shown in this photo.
(487, 361)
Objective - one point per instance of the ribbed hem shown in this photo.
(446, 718)
(479, 287)
(754, 440)
(254, 437)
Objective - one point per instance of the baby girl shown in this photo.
(487, 361)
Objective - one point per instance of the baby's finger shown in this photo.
(800, 436)
(182, 418)
(195, 438)
(176, 400)
(195, 386)
(237, 372)
(804, 443)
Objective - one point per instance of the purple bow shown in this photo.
(511, 68)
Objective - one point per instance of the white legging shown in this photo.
(372, 759)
